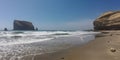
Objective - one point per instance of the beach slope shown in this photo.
(106, 46)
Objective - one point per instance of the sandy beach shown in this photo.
(106, 46)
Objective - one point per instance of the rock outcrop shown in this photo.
(36, 29)
(23, 25)
(108, 21)
(5, 29)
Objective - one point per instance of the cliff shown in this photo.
(108, 21)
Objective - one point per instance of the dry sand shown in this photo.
(106, 46)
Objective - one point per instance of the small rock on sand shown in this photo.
(112, 50)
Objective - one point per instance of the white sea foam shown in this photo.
(24, 41)
(17, 44)
(25, 37)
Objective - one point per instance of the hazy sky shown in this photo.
(55, 14)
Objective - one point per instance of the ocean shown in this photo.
(14, 45)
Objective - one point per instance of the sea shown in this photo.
(14, 45)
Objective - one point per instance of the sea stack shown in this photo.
(5, 29)
(36, 29)
(108, 21)
(22, 25)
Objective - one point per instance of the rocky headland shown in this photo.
(108, 21)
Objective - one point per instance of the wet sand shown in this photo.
(106, 46)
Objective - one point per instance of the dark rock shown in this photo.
(108, 41)
(113, 50)
(62, 58)
(23, 25)
(36, 29)
(108, 21)
(5, 29)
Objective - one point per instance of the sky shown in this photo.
(55, 14)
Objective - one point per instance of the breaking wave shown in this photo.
(17, 44)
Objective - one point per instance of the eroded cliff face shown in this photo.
(22, 25)
(108, 21)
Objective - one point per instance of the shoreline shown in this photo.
(58, 55)
(106, 46)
